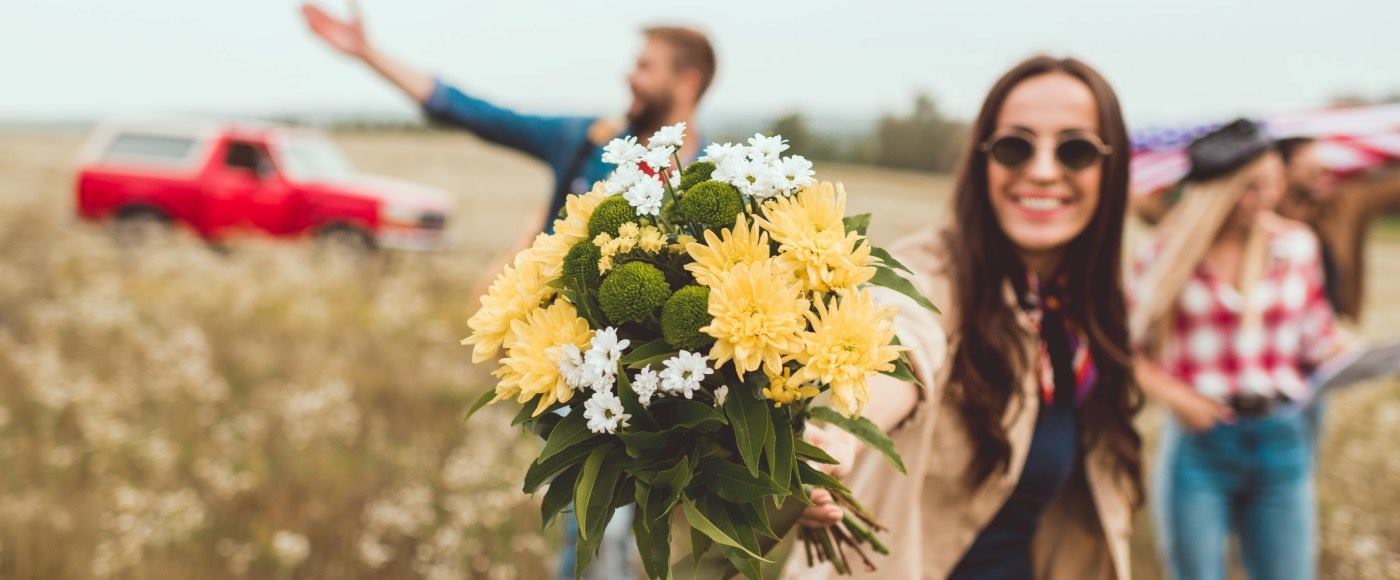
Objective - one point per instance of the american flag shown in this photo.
(1351, 140)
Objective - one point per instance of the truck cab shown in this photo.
(222, 180)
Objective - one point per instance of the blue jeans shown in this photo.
(1253, 478)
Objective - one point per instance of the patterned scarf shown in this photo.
(1053, 297)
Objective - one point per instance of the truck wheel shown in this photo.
(136, 228)
(345, 240)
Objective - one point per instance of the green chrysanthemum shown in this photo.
(683, 315)
(581, 263)
(696, 173)
(610, 215)
(710, 203)
(632, 292)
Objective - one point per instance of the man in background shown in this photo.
(1310, 186)
(674, 68)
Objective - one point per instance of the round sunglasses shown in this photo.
(1074, 152)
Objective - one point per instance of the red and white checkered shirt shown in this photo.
(1207, 347)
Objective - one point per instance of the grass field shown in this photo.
(269, 412)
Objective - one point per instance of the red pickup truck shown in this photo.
(223, 179)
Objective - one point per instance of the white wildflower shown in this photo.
(763, 147)
(659, 158)
(795, 172)
(675, 180)
(604, 413)
(604, 346)
(623, 150)
(645, 385)
(645, 195)
(291, 548)
(721, 394)
(684, 372)
(623, 179)
(668, 136)
(571, 365)
(718, 153)
(759, 179)
(597, 375)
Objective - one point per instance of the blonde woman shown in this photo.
(1021, 454)
(1231, 315)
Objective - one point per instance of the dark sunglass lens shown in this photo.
(1078, 153)
(1012, 151)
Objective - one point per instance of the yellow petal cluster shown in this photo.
(531, 365)
(520, 288)
(742, 244)
(812, 240)
(758, 317)
(849, 341)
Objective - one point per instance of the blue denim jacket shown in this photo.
(560, 142)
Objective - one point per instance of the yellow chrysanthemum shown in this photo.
(577, 210)
(742, 244)
(520, 288)
(757, 315)
(682, 241)
(849, 341)
(782, 390)
(531, 365)
(812, 241)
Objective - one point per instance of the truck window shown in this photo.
(247, 157)
(158, 149)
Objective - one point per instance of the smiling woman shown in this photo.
(1022, 458)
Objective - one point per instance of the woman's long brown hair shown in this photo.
(989, 363)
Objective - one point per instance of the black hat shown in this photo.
(1226, 149)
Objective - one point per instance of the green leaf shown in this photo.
(654, 544)
(540, 473)
(811, 452)
(749, 418)
(888, 278)
(570, 431)
(857, 223)
(673, 481)
(646, 351)
(888, 260)
(699, 543)
(481, 401)
(525, 413)
(640, 443)
(779, 447)
(863, 429)
(558, 496)
(747, 566)
(699, 522)
(654, 360)
(734, 483)
(694, 415)
(594, 489)
(641, 416)
(814, 477)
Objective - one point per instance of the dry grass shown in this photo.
(272, 412)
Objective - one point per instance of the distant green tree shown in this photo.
(802, 139)
(925, 139)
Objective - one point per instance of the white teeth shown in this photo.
(1040, 203)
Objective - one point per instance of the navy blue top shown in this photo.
(1003, 549)
(560, 142)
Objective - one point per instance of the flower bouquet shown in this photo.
(668, 339)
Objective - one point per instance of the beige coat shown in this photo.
(932, 514)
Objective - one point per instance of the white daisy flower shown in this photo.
(730, 169)
(623, 179)
(759, 179)
(604, 413)
(721, 394)
(796, 172)
(668, 136)
(571, 366)
(675, 179)
(764, 147)
(718, 153)
(623, 150)
(596, 374)
(658, 158)
(684, 372)
(606, 347)
(645, 385)
(645, 195)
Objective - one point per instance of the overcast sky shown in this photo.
(1170, 60)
